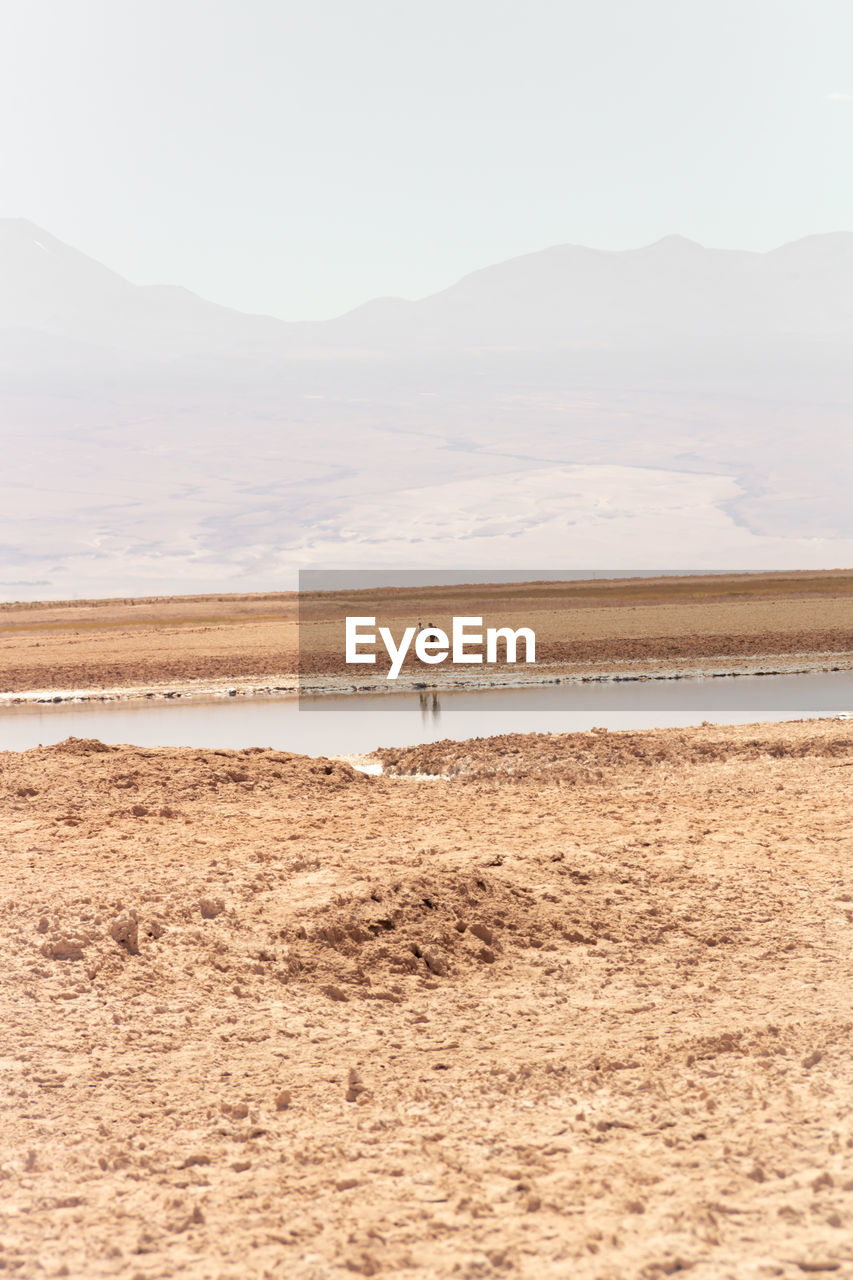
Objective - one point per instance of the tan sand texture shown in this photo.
(578, 1007)
(803, 619)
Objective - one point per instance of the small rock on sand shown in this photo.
(62, 949)
(355, 1085)
(125, 931)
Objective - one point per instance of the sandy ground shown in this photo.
(568, 1007)
(210, 644)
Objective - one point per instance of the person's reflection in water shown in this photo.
(430, 707)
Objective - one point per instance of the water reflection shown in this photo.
(430, 707)
(336, 725)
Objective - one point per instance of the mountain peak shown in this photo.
(676, 242)
(24, 229)
(21, 236)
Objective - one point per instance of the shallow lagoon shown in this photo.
(340, 725)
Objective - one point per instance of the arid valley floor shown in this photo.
(539, 1007)
(171, 646)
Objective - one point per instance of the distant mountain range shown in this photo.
(671, 291)
(671, 405)
(667, 291)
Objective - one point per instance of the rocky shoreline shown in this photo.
(290, 685)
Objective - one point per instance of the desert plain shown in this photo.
(281, 642)
(546, 1006)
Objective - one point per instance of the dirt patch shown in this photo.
(581, 1008)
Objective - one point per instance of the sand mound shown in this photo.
(584, 757)
(79, 747)
(421, 924)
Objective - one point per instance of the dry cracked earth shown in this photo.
(534, 1006)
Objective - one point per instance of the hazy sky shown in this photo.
(299, 158)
